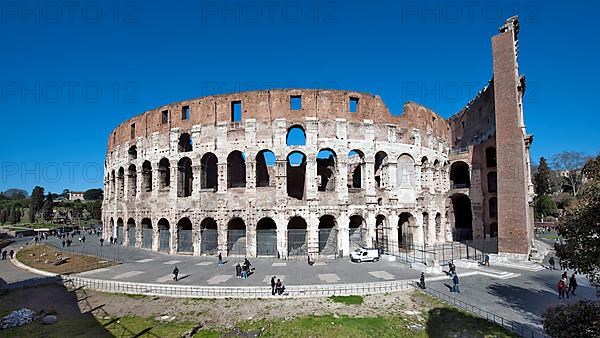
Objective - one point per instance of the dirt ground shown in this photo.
(213, 313)
(43, 257)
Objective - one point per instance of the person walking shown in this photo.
(455, 287)
(487, 260)
(63, 243)
(220, 259)
(175, 273)
(11, 254)
(238, 270)
(279, 287)
(561, 289)
(4, 253)
(273, 283)
(101, 241)
(552, 263)
(572, 285)
(422, 281)
(83, 239)
(566, 286)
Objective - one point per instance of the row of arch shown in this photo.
(327, 170)
(294, 239)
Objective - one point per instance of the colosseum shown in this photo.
(297, 172)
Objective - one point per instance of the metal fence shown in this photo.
(147, 238)
(236, 242)
(131, 234)
(266, 242)
(411, 252)
(164, 238)
(297, 243)
(328, 241)
(520, 329)
(120, 235)
(209, 241)
(184, 241)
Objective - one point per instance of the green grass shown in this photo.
(350, 300)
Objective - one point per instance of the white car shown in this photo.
(364, 255)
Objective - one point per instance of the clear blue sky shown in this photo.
(69, 75)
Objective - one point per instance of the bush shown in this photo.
(581, 319)
(545, 205)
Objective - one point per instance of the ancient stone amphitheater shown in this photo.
(298, 172)
(280, 173)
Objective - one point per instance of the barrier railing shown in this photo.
(520, 329)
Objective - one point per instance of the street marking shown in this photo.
(320, 263)
(279, 264)
(329, 277)
(267, 279)
(171, 262)
(382, 274)
(94, 271)
(218, 279)
(165, 278)
(128, 274)
(204, 263)
(147, 260)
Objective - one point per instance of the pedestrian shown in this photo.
(111, 240)
(566, 286)
(451, 268)
(175, 273)
(551, 261)
(4, 255)
(83, 239)
(561, 289)
(487, 260)
(279, 288)
(572, 284)
(11, 253)
(69, 241)
(238, 270)
(455, 287)
(63, 243)
(422, 283)
(220, 259)
(36, 239)
(273, 283)
(101, 241)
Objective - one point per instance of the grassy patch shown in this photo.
(43, 257)
(350, 300)
(130, 326)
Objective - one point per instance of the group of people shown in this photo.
(242, 271)
(68, 243)
(5, 253)
(277, 287)
(566, 286)
(452, 273)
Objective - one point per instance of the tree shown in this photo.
(15, 194)
(581, 319)
(580, 226)
(545, 206)
(37, 203)
(93, 195)
(544, 179)
(3, 216)
(48, 209)
(12, 215)
(569, 164)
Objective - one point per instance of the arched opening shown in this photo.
(266, 237)
(265, 169)
(295, 136)
(327, 235)
(164, 170)
(490, 157)
(185, 177)
(132, 152)
(147, 233)
(184, 235)
(356, 169)
(164, 235)
(459, 175)
(493, 206)
(111, 232)
(463, 217)
(147, 176)
(380, 238)
(357, 232)
(236, 170)
(494, 230)
(121, 182)
(492, 182)
(437, 178)
(296, 174)
(381, 169)
(185, 143)
(112, 178)
(425, 184)
(131, 232)
(406, 172)
(236, 237)
(326, 170)
(132, 180)
(438, 225)
(209, 236)
(405, 237)
(296, 237)
(120, 231)
(209, 169)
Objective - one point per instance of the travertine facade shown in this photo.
(300, 171)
